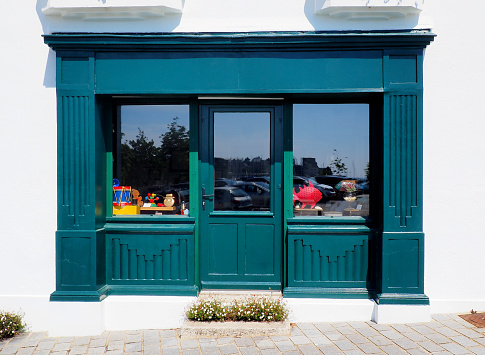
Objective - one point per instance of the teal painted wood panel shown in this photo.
(328, 260)
(407, 277)
(403, 69)
(146, 259)
(402, 164)
(75, 70)
(239, 72)
(76, 163)
(75, 261)
(223, 247)
(79, 257)
(260, 249)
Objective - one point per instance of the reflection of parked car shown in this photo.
(264, 179)
(327, 191)
(258, 191)
(231, 198)
(330, 180)
(224, 182)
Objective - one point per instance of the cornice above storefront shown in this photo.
(253, 41)
(112, 9)
(368, 9)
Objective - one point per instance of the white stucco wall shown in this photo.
(454, 129)
(28, 164)
(453, 136)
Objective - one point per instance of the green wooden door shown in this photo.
(241, 197)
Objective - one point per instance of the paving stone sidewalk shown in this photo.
(445, 334)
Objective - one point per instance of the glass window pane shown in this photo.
(331, 160)
(151, 159)
(242, 161)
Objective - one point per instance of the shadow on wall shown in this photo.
(52, 24)
(321, 22)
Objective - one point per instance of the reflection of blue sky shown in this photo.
(152, 119)
(241, 135)
(319, 129)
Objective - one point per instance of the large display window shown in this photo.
(331, 164)
(151, 160)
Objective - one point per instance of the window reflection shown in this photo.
(242, 161)
(151, 160)
(331, 160)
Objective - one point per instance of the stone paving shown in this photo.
(445, 334)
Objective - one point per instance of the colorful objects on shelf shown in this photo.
(136, 197)
(346, 185)
(308, 195)
(169, 201)
(152, 198)
(121, 195)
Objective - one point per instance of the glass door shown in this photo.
(240, 228)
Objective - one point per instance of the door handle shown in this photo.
(204, 197)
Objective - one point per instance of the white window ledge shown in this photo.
(112, 9)
(368, 9)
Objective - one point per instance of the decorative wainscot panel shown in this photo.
(329, 261)
(150, 258)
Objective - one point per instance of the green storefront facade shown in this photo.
(379, 257)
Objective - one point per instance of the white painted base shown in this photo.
(117, 313)
(145, 312)
(329, 310)
(76, 318)
(398, 314)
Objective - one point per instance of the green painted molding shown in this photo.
(80, 296)
(153, 290)
(402, 299)
(257, 41)
(322, 292)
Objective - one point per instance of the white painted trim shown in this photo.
(76, 318)
(112, 9)
(368, 9)
(329, 310)
(400, 314)
(145, 312)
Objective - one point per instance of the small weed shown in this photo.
(207, 310)
(10, 324)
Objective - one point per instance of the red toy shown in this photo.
(309, 195)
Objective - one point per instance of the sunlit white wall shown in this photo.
(27, 164)
(454, 164)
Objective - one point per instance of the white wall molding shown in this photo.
(103, 10)
(329, 309)
(401, 313)
(368, 9)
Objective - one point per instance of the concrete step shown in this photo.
(193, 329)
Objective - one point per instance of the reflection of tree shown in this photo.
(337, 165)
(144, 164)
(139, 159)
(174, 154)
(236, 168)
